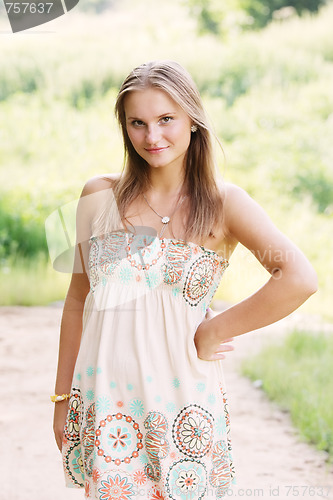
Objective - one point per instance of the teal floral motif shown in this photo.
(221, 425)
(103, 404)
(176, 291)
(171, 407)
(78, 376)
(113, 385)
(144, 459)
(137, 407)
(126, 275)
(90, 395)
(152, 279)
(90, 371)
(204, 306)
(158, 399)
(211, 398)
(176, 382)
(130, 387)
(201, 387)
(99, 370)
(149, 378)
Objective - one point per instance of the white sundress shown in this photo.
(147, 418)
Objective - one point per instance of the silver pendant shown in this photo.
(165, 220)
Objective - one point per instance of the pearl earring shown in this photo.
(194, 128)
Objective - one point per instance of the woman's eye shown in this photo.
(166, 119)
(137, 123)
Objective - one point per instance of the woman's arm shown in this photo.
(70, 337)
(292, 280)
(71, 324)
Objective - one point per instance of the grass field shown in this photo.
(297, 374)
(268, 95)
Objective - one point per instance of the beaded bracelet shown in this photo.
(56, 398)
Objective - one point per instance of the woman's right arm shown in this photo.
(71, 323)
(70, 337)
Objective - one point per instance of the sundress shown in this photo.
(147, 418)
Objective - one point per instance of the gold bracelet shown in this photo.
(56, 398)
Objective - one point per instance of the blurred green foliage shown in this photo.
(268, 94)
(216, 17)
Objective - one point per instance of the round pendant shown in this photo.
(165, 220)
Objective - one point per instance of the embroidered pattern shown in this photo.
(176, 255)
(118, 439)
(74, 416)
(116, 487)
(194, 269)
(187, 480)
(193, 431)
(156, 445)
(88, 438)
(142, 251)
(156, 494)
(111, 251)
(221, 474)
(199, 279)
(73, 464)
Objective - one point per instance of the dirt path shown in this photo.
(271, 461)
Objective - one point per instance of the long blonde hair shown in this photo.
(205, 201)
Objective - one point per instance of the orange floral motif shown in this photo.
(140, 477)
(116, 488)
(96, 475)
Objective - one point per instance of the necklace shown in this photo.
(165, 219)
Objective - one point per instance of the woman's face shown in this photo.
(158, 128)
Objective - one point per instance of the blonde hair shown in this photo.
(205, 201)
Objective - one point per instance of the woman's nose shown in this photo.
(153, 134)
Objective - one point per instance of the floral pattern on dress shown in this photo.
(195, 270)
(156, 494)
(88, 439)
(156, 445)
(118, 439)
(116, 487)
(111, 251)
(93, 262)
(193, 431)
(199, 279)
(136, 437)
(142, 251)
(177, 254)
(73, 464)
(186, 480)
(222, 473)
(74, 416)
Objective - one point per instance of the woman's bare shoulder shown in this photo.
(231, 192)
(99, 183)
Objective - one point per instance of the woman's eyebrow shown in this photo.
(160, 116)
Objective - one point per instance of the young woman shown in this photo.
(142, 411)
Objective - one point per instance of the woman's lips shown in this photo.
(155, 150)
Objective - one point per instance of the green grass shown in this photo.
(268, 95)
(31, 283)
(298, 375)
